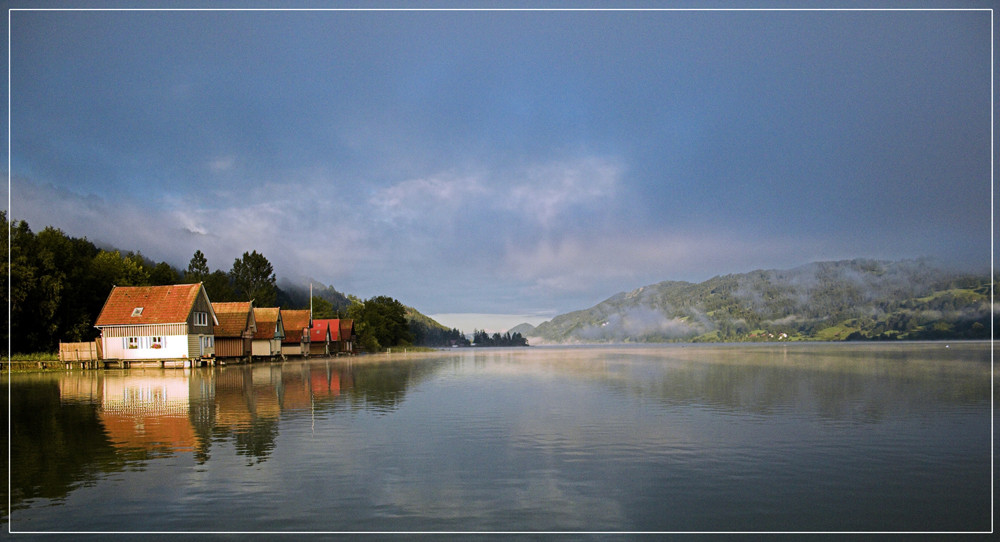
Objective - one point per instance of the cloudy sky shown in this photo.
(517, 163)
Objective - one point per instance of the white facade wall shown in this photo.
(292, 349)
(145, 347)
(155, 342)
(266, 347)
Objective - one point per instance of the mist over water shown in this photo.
(678, 438)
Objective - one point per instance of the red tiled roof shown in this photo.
(296, 322)
(160, 305)
(232, 318)
(267, 322)
(317, 333)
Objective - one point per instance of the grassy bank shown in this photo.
(31, 363)
(37, 356)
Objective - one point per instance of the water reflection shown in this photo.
(54, 448)
(574, 438)
(72, 428)
(840, 382)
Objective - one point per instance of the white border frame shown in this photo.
(10, 526)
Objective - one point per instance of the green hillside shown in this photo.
(429, 332)
(843, 300)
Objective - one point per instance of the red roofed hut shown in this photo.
(270, 332)
(324, 337)
(297, 324)
(236, 329)
(157, 323)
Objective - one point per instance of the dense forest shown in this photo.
(842, 300)
(58, 285)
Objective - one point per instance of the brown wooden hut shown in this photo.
(297, 324)
(236, 329)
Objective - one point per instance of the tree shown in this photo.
(162, 274)
(380, 322)
(113, 269)
(254, 279)
(23, 277)
(219, 287)
(218, 284)
(66, 262)
(482, 338)
(197, 270)
(52, 292)
(322, 308)
(429, 335)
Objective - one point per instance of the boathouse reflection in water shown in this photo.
(70, 429)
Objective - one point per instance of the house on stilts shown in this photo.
(270, 332)
(297, 324)
(346, 338)
(173, 323)
(331, 337)
(236, 329)
(320, 337)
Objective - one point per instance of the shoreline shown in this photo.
(16, 366)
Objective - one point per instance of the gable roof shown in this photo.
(233, 318)
(171, 304)
(296, 322)
(346, 329)
(317, 333)
(267, 321)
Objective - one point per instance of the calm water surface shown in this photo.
(676, 438)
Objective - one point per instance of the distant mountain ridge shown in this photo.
(840, 300)
(524, 329)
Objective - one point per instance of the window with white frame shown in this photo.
(132, 343)
(156, 342)
(201, 318)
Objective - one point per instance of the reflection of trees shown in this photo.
(54, 447)
(255, 440)
(245, 407)
(381, 386)
(202, 413)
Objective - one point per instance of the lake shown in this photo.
(677, 438)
